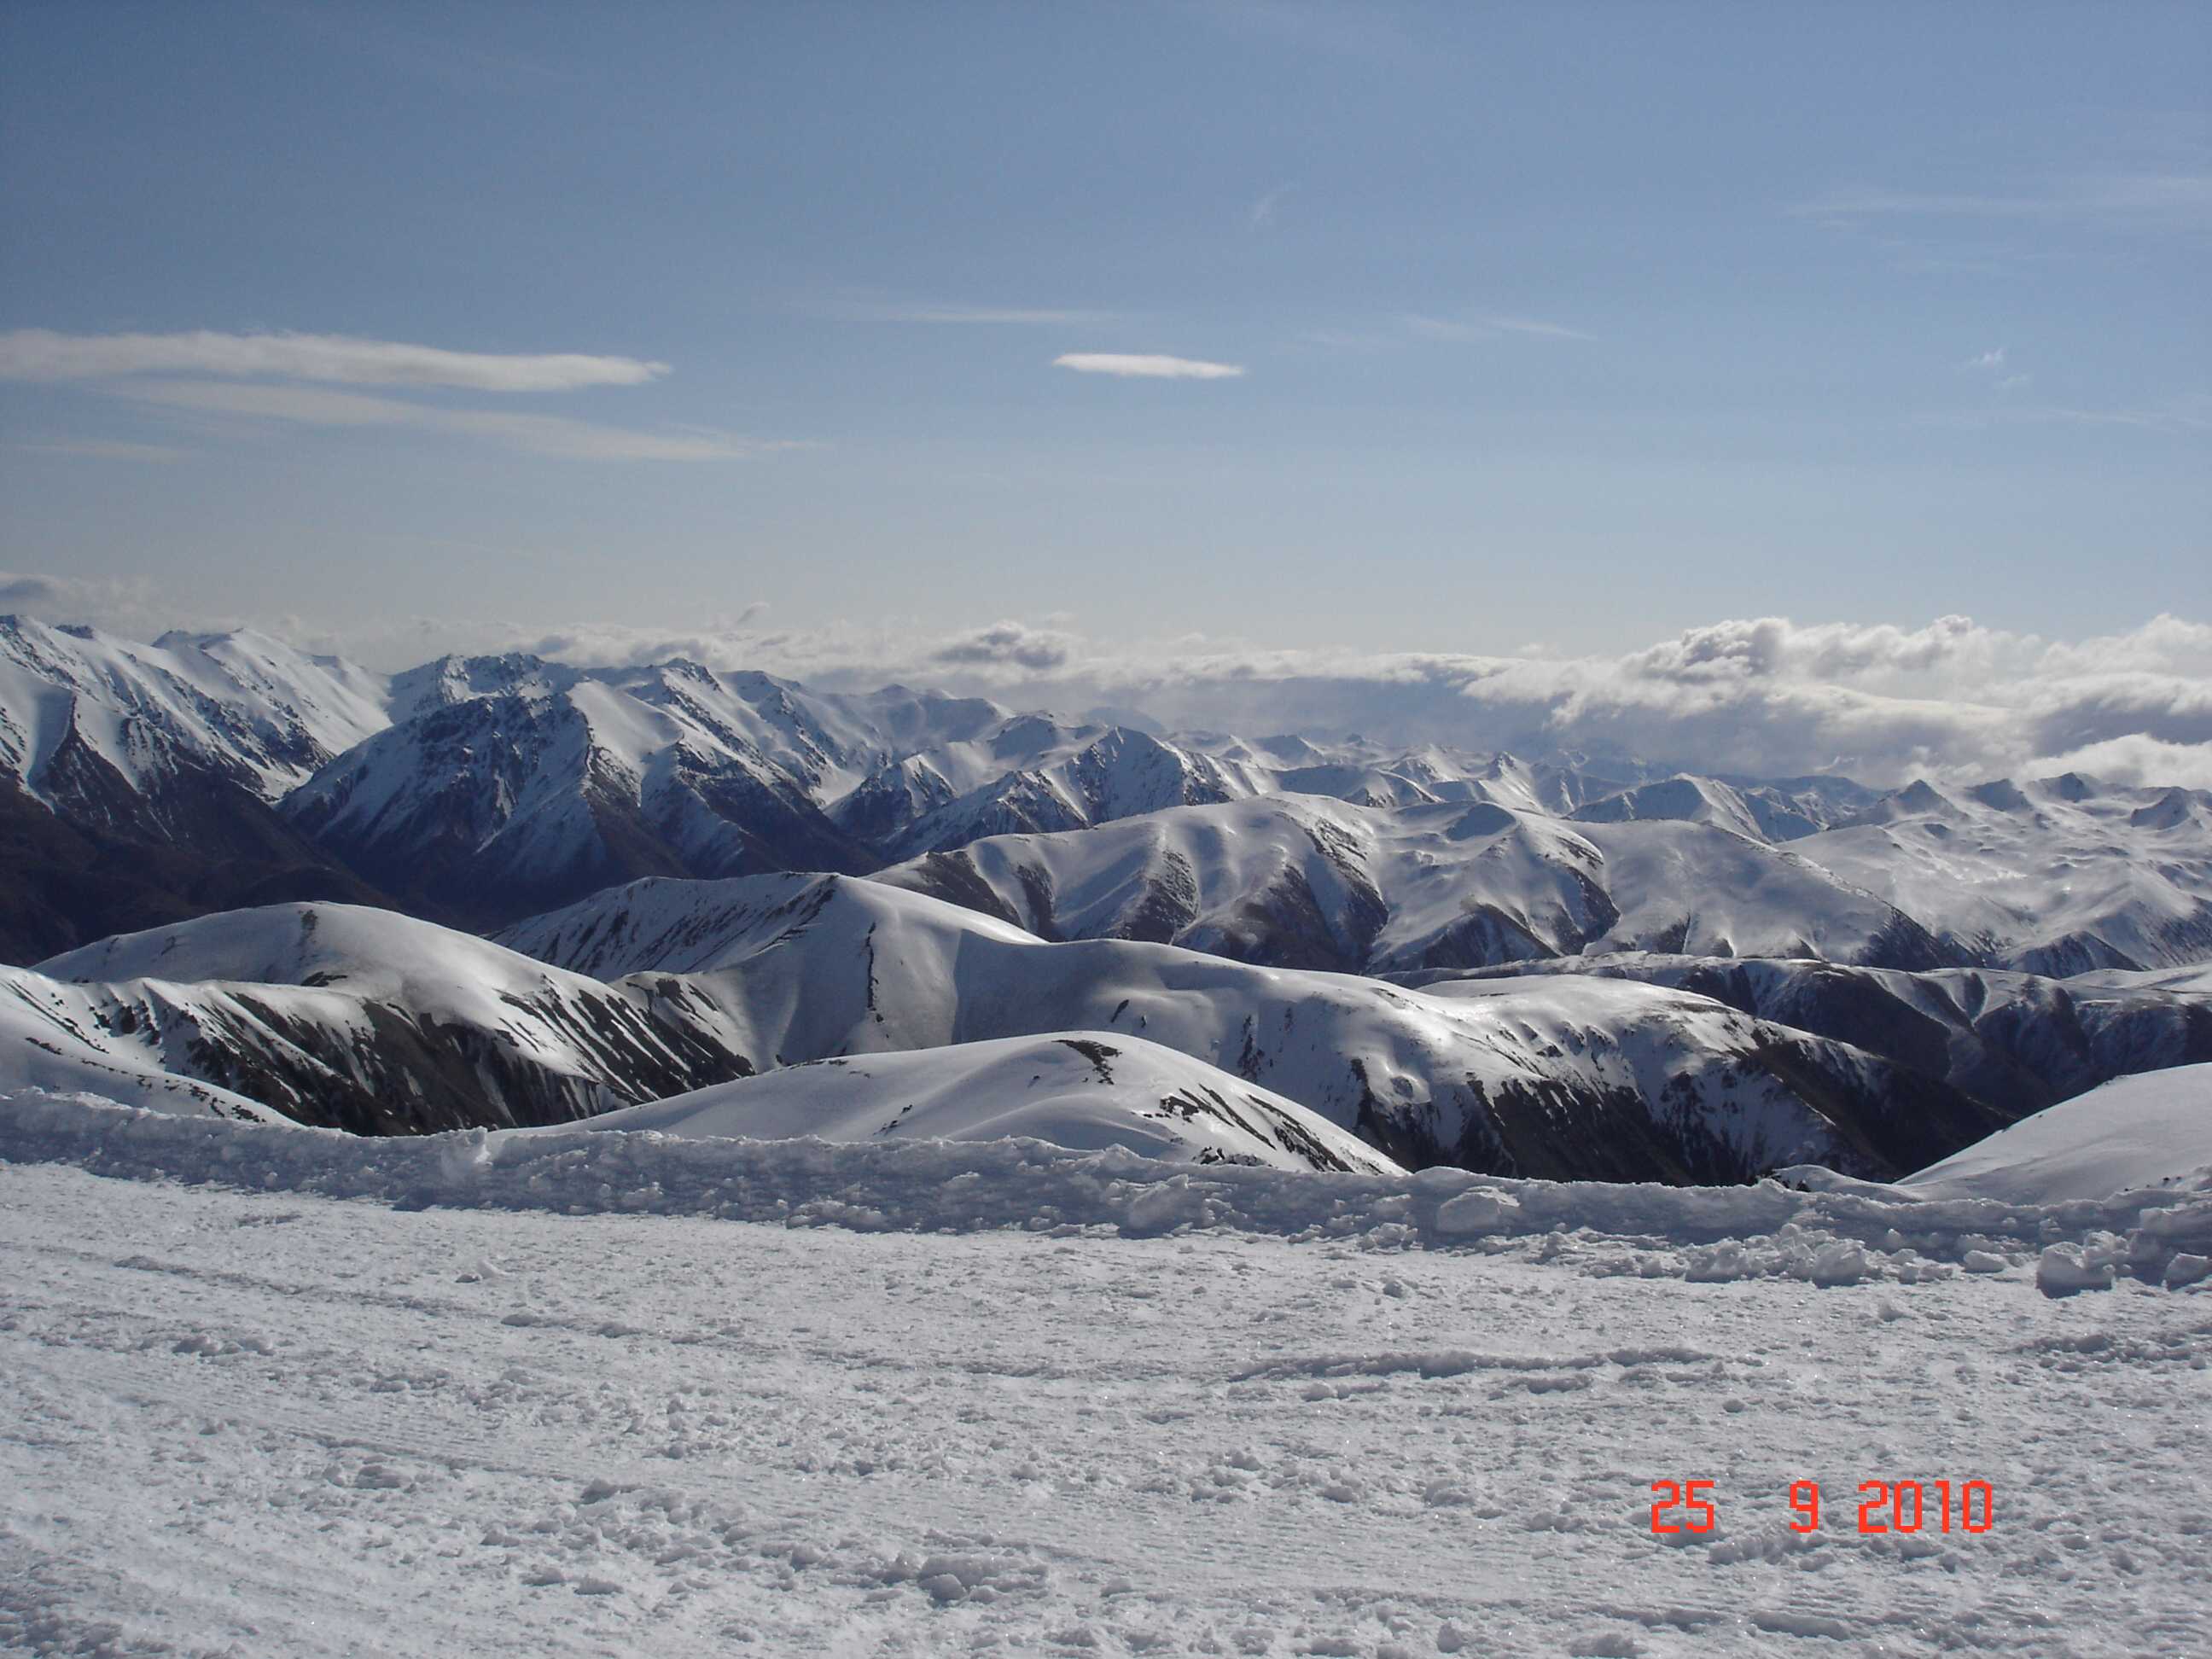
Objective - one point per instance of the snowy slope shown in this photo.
(372, 1021)
(2009, 1039)
(2190, 982)
(246, 706)
(493, 807)
(1566, 1078)
(1117, 774)
(692, 927)
(2056, 877)
(2151, 1130)
(1303, 882)
(61, 1039)
(1684, 799)
(1073, 1090)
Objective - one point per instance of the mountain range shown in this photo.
(139, 784)
(502, 891)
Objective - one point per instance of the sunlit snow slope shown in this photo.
(1073, 1089)
(2151, 1130)
(1574, 1077)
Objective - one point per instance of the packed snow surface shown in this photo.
(1074, 1089)
(2150, 1130)
(958, 1399)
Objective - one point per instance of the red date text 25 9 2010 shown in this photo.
(1884, 1506)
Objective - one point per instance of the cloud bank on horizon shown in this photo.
(1950, 700)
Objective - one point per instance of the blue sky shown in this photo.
(1576, 325)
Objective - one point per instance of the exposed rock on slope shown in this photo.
(2010, 1039)
(363, 1020)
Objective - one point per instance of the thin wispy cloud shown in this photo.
(258, 377)
(537, 434)
(1466, 329)
(1138, 366)
(103, 449)
(38, 354)
(1987, 360)
(1345, 339)
(1261, 213)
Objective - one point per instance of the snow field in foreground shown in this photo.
(267, 1422)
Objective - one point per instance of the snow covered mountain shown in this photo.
(368, 1020)
(60, 1039)
(1303, 882)
(1118, 774)
(488, 807)
(1566, 1078)
(2050, 879)
(142, 784)
(1698, 801)
(2054, 877)
(1073, 1090)
(135, 780)
(354, 1018)
(2018, 1039)
(99, 727)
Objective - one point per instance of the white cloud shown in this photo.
(254, 376)
(38, 354)
(1009, 643)
(1987, 360)
(1143, 367)
(2138, 760)
(1950, 699)
(540, 435)
(133, 606)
